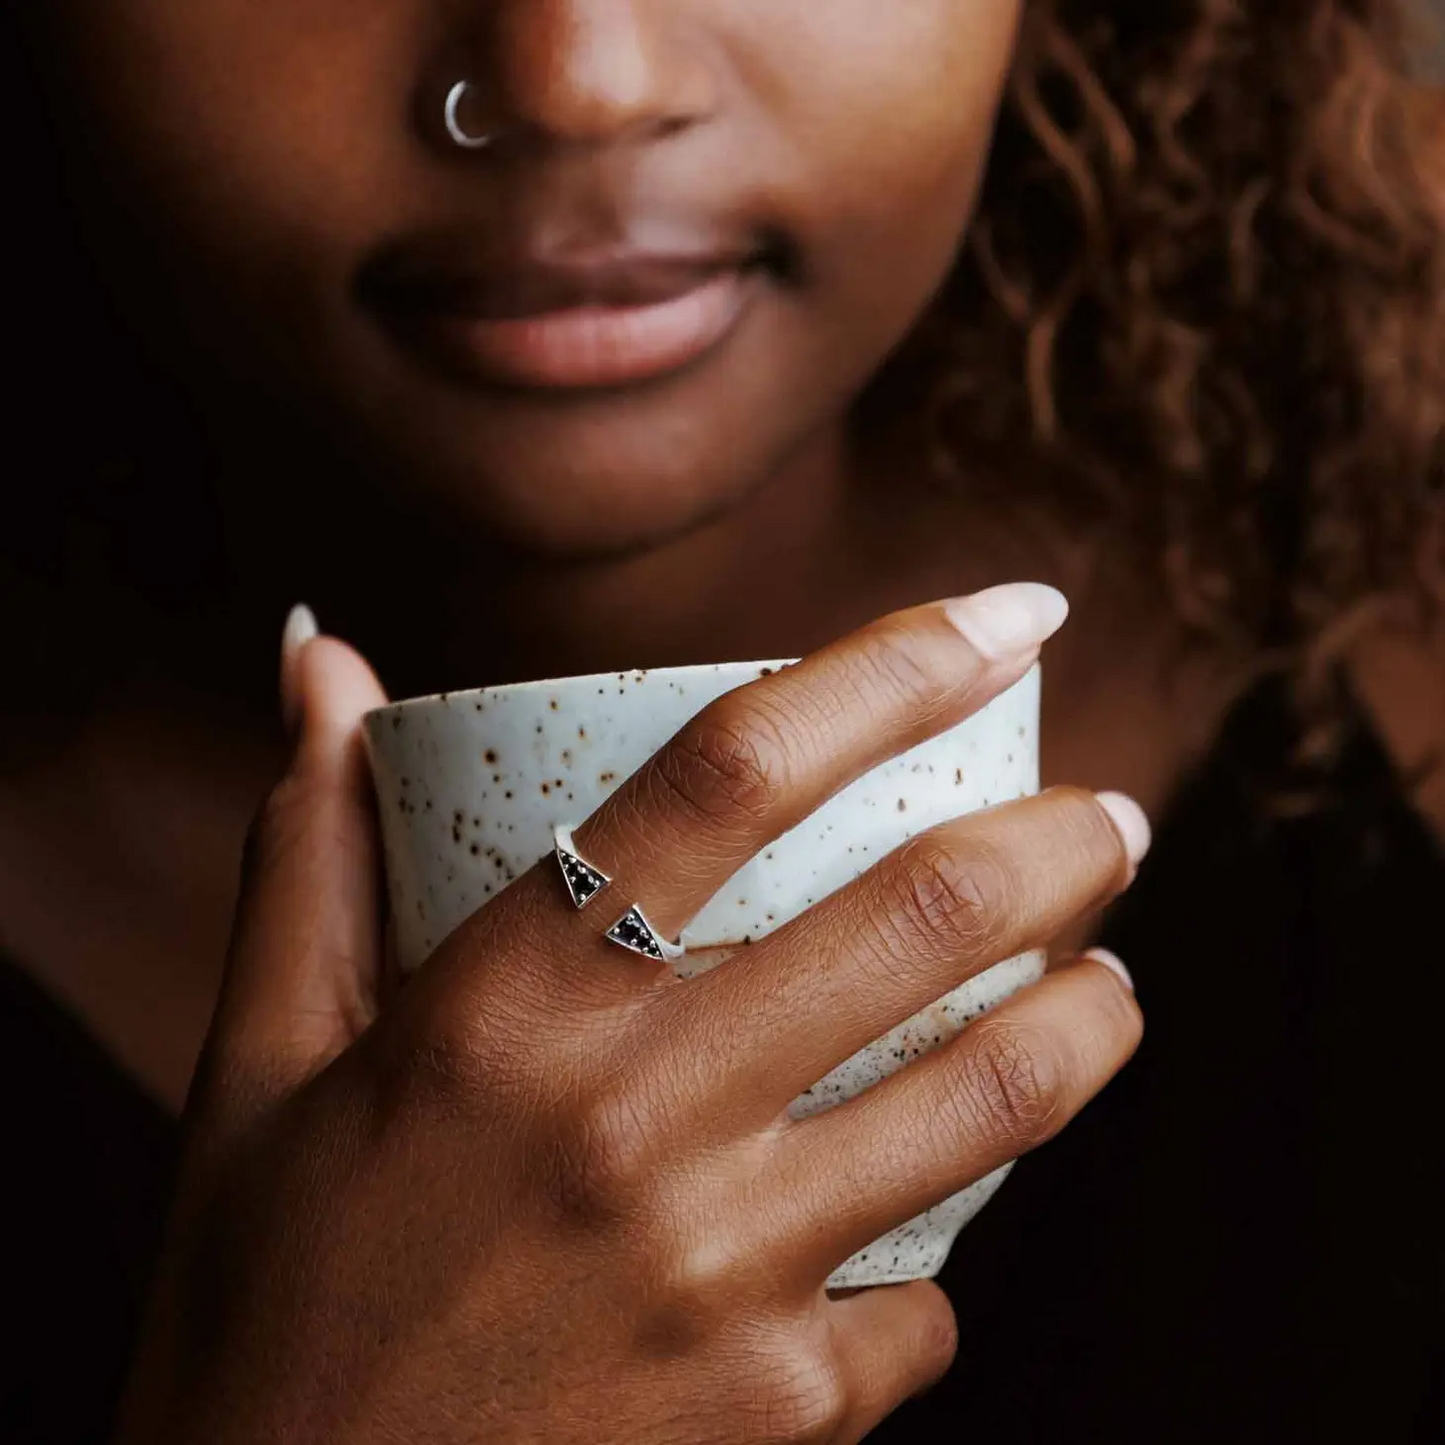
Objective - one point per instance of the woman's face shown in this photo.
(700, 226)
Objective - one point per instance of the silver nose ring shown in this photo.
(455, 129)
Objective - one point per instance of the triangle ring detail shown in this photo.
(633, 932)
(584, 882)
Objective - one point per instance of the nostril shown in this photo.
(590, 73)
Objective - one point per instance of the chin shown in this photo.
(581, 482)
(547, 503)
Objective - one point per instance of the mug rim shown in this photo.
(575, 680)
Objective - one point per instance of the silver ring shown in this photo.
(459, 134)
(585, 881)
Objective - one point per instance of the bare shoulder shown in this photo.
(1398, 674)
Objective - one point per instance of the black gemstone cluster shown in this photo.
(632, 931)
(584, 882)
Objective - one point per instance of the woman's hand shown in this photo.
(551, 1192)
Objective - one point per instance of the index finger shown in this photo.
(760, 759)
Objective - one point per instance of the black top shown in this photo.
(1239, 1241)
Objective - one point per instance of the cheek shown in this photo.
(235, 143)
(898, 121)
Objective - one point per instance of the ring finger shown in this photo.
(1005, 1085)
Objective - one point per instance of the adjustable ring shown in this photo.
(585, 881)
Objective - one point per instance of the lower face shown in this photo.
(699, 227)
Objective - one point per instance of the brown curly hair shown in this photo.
(1205, 290)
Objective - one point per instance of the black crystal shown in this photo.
(584, 882)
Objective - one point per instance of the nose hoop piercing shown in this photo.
(459, 134)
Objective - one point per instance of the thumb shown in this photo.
(303, 969)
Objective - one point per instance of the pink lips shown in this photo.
(579, 325)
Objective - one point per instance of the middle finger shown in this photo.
(779, 1016)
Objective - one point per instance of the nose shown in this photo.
(590, 72)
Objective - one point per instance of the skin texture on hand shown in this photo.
(549, 1191)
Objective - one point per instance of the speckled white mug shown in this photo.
(471, 784)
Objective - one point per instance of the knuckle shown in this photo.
(1013, 1090)
(602, 1155)
(696, 1292)
(946, 896)
(725, 763)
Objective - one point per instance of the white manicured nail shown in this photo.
(1113, 963)
(299, 630)
(1131, 822)
(1009, 622)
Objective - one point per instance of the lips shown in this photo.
(580, 321)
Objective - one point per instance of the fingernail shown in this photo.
(1129, 819)
(1113, 963)
(1006, 623)
(299, 630)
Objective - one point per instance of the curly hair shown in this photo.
(1204, 292)
(1205, 288)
